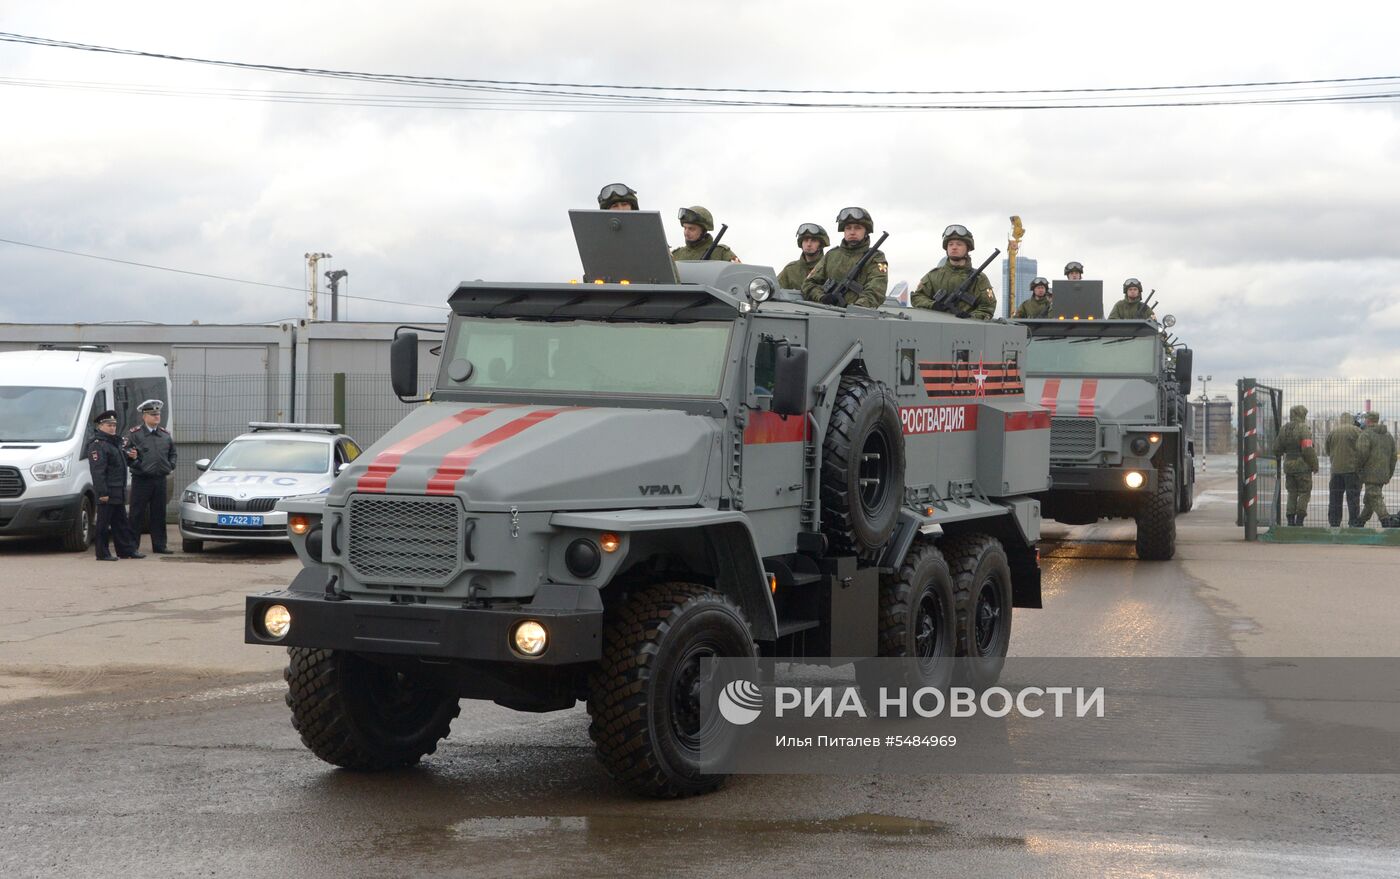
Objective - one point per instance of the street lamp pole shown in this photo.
(1205, 417)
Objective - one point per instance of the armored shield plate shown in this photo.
(618, 246)
(1081, 299)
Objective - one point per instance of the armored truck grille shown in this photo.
(11, 483)
(1073, 437)
(232, 505)
(404, 541)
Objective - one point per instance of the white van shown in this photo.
(48, 399)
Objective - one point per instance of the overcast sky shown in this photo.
(1269, 231)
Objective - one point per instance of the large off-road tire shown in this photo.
(78, 537)
(918, 622)
(649, 726)
(862, 468)
(360, 715)
(1185, 498)
(1156, 519)
(982, 594)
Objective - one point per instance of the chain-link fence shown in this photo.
(212, 410)
(1326, 401)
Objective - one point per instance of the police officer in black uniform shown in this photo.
(151, 450)
(108, 467)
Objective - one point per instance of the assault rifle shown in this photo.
(723, 227)
(947, 300)
(834, 290)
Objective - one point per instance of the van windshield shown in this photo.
(39, 415)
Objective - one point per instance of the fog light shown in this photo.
(298, 524)
(1134, 479)
(1139, 445)
(530, 638)
(315, 543)
(1156, 437)
(610, 542)
(582, 558)
(277, 621)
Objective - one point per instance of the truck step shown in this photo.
(791, 627)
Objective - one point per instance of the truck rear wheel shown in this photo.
(982, 592)
(78, 537)
(918, 621)
(1156, 519)
(360, 715)
(1186, 494)
(862, 468)
(652, 726)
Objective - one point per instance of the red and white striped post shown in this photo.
(1249, 457)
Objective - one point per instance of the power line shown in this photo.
(601, 97)
(143, 265)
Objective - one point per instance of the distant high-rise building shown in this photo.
(1025, 273)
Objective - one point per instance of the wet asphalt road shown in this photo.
(172, 754)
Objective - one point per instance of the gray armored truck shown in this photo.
(616, 480)
(1120, 433)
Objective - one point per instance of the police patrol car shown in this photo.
(235, 497)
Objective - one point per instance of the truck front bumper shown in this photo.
(1109, 479)
(365, 626)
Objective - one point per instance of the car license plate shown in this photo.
(241, 521)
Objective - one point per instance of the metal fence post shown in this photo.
(338, 399)
(1249, 457)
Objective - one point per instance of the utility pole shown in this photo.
(334, 277)
(1013, 246)
(311, 260)
(1205, 416)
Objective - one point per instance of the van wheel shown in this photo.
(79, 534)
(862, 468)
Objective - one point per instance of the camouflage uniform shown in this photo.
(1295, 445)
(1378, 468)
(837, 263)
(697, 250)
(950, 277)
(1342, 450)
(795, 272)
(1033, 308)
(1128, 309)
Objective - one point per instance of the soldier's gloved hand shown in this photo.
(832, 298)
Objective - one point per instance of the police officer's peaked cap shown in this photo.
(109, 415)
(151, 406)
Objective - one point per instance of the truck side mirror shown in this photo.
(403, 364)
(791, 391)
(1183, 370)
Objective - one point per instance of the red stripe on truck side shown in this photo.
(386, 463)
(1027, 421)
(1050, 394)
(455, 463)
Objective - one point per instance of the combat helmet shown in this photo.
(617, 192)
(959, 232)
(1132, 282)
(812, 230)
(1039, 281)
(699, 216)
(1074, 265)
(846, 216)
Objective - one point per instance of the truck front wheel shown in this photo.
(360, 715)
(1156, 519)
(650, 698)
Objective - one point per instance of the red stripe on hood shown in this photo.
(455, 463)
(1087, 391)
(1050, 394)
(386, 463)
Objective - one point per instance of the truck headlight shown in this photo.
(277, 621)
(760, 289)
(1133, 479)
(530, 638)
(582, 558)
(1140, 445)
(55, 469)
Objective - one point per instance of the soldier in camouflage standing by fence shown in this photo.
(1377, 468)
(1295, 445)
(1345, 462)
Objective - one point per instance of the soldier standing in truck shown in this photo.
(958, 243)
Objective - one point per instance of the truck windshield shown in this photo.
(281, 456)
(594, 357)
(1121, 355)
(38, 415)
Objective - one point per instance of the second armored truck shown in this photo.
(616, 481)
(1120, 437)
